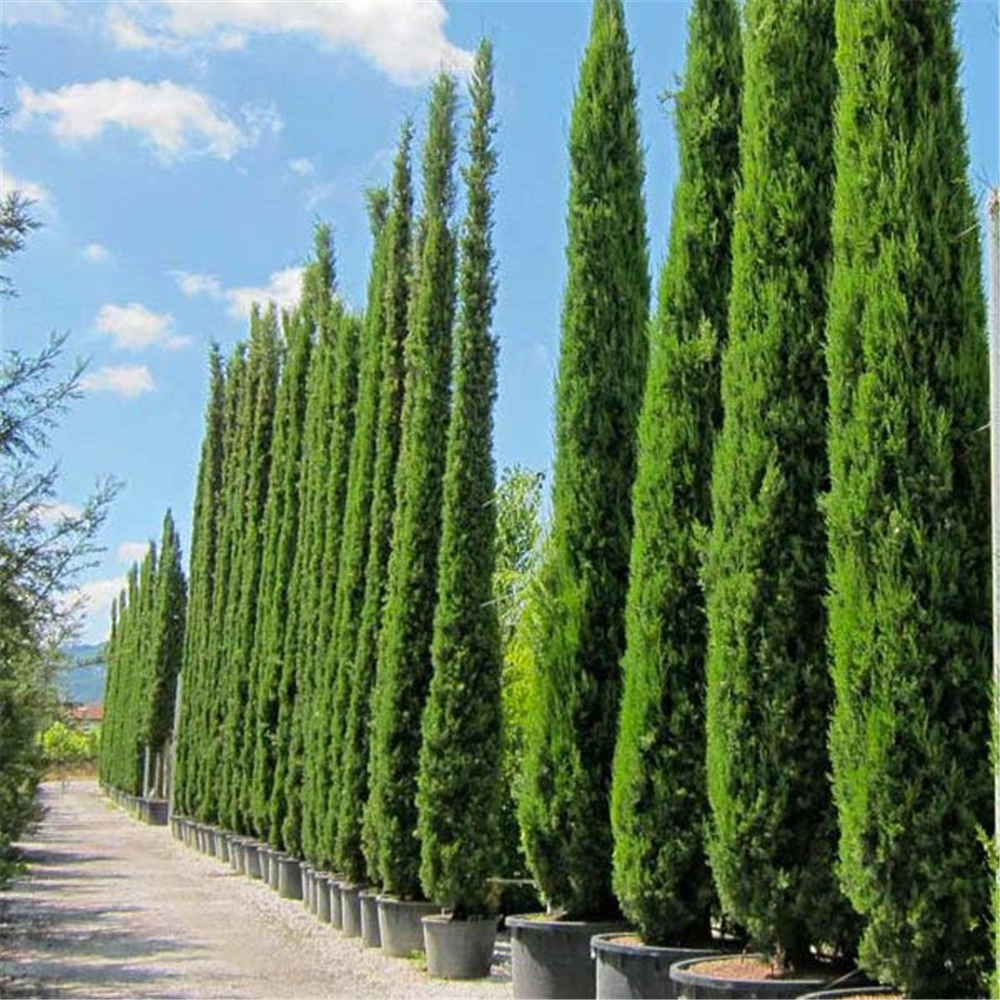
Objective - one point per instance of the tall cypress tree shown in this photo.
(908, 511)
(207, 770)
(318, 790)
(564, 805)
(195, 691)
(357, 510)
(404, 665)
(460, 752)
(356, 846)
(658, 800)
(166, 646)
(274, 690)
(772, 837)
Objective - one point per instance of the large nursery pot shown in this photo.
(336, 902)
(550, 956)
(273, 868)
(371, 936)
(627, 969)
(237, 855)
(289, 877)
(253, 863)
(321, 896)
(739, 977)
(350, 909)
(222, 845)
(308, 887)
(459, 949)
(399, 922)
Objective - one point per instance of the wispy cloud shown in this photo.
(96, 253)
(283, 288)
(35, 192)
(131, 552)
(175, 121)
(127, 381)
(405, 39)
(53, 513)
(42, 13)
(134, 327)
(93, 599)
(303, 166)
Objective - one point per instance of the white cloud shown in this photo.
(43, 13)
(127, 381)
(283, 288)
(96, 253)
(53, 513)
(403, 38)
(94, 599)
(32, 190)
(303, 166)
(131, 552)
(134, 327)
(176, 121)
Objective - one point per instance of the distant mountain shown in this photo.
(82, 681)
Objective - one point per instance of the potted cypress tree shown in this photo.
(772, 838)
(460, 752)
(404, 651)
(564, 809)
(908, 510)
(659, 803)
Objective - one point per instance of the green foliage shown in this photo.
(460, 751)
(404, 658)
(195, 681)
(518, 545)
(356, 845)
(357, 512)
(564, 806)
(908, 510)
(63, 747)
(659, 803)
(773, 828)
(273, 675)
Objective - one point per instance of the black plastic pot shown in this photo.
(459, 949)
(253, 862)
(289, 877)
(400, 926)
(851, 992)
(336, 902)
(371, 936)
(626, 969)
(689, 984)
(321, 896)
(550, 958)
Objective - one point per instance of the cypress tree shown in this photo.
(273, 705)
(317, 768)
(317, 304)
(255, 419)
(404, 659)
(460, 752)
(195, 691)
(166, 647)
(771, 842)
(564, 804)
(908, 511)
(658, 800)
(209, 756)
(357, 510)
(356, 851)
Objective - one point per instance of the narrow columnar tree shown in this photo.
(166, 650)
(773, 830)
(404, 661)
(355, 855)
(659, 804)
(271, 669)
(357, 510)
(255, 421)
(460, 751)
(195, 680)
(207, 769)
(564, 809)
(318, 791)
(908, 511)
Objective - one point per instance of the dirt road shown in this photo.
(113, 908)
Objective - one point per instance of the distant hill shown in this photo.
(82, 681)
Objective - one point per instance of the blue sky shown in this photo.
(180, 152)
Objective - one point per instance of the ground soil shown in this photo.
(751, 968)
(111, 908)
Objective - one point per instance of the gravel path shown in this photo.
(114, 908)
